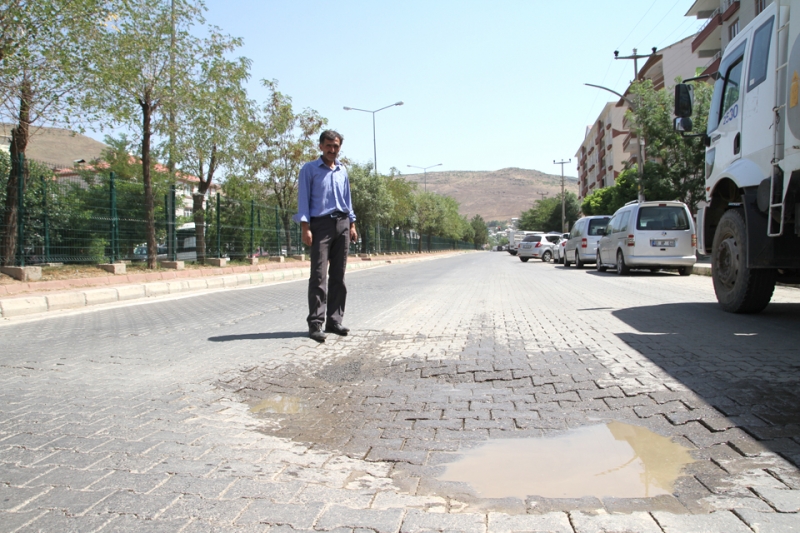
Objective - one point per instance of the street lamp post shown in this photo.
(640, 165)
(563, 196)
(425, 172)
(374, 142)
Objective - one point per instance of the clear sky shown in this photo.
(486, 84)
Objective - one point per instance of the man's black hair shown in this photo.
(330, 135)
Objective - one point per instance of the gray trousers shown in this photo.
(326, 289)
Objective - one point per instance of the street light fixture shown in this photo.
(640, 165)
(374, 143)
(425, 172)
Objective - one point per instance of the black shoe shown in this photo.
(316, 333)
(338, 329)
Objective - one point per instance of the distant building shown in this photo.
(608, 146)
(67, 152)
(56, 147)
(602, 156)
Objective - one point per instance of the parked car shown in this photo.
(652, 235)
(558, 250)
(539, 246)
(140, 252)
(581, 247)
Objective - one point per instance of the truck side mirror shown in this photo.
(683, 125)
(684, 97)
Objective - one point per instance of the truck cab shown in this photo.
(750, 224)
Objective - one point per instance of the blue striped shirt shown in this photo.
(322, 191)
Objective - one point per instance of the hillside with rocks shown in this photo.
(495, 195)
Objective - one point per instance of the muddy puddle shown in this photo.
(279, 404)
(605, 460)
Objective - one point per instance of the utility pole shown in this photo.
(640, 164)
(563, 196)
(542, 194)
(636, 57)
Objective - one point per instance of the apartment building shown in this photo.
(724, 19)
(608, 146)
(601, 157)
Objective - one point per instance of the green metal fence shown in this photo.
(69, 217)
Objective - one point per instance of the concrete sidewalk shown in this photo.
(41, 297)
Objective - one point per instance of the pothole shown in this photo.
(606, 460)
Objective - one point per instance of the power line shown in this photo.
(663, 17)
(637, 24)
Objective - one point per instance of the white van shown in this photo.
(651, 235)
(581, 248)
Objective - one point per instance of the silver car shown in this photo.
(581, 247)
(558, 250)
(539, 246)
(651, 235)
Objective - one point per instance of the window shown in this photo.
(663, 217)
(612, 225)
(532, 238)
(597, 226)
(732, 84)
(733, 29)
(760, 6)
(726, 88)
(759, 55)
(623, 223)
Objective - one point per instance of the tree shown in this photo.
(607, 200)
(208, 122)
(545, 215)
(681, 159)
(43, 53)
(427, 214)
(402, 191)
(481, 232)
(372, 201)
(146, 57)
(279, 141)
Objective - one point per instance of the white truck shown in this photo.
(515, 238)
(751, 223)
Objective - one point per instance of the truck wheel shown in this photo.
(524, 259)
(566, 261)
(599, 265)
(683, 271)
(622, 268)
(578, 263)
(546, 257)
(739, 289)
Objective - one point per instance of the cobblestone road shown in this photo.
(216, 413)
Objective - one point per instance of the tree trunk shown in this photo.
(364, 238)
(199, 213)
(429, 241)
(149, 210)
(17, 148)
(287, 229)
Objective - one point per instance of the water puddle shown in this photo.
(287, 405)
(607, 460)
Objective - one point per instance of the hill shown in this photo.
(495, 195)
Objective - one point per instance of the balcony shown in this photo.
(702, 9)
(729, 7)
(708, 38)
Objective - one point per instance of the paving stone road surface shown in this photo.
(215, 413)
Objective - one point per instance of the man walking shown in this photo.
(325, 214)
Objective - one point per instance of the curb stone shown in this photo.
(32, 304)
